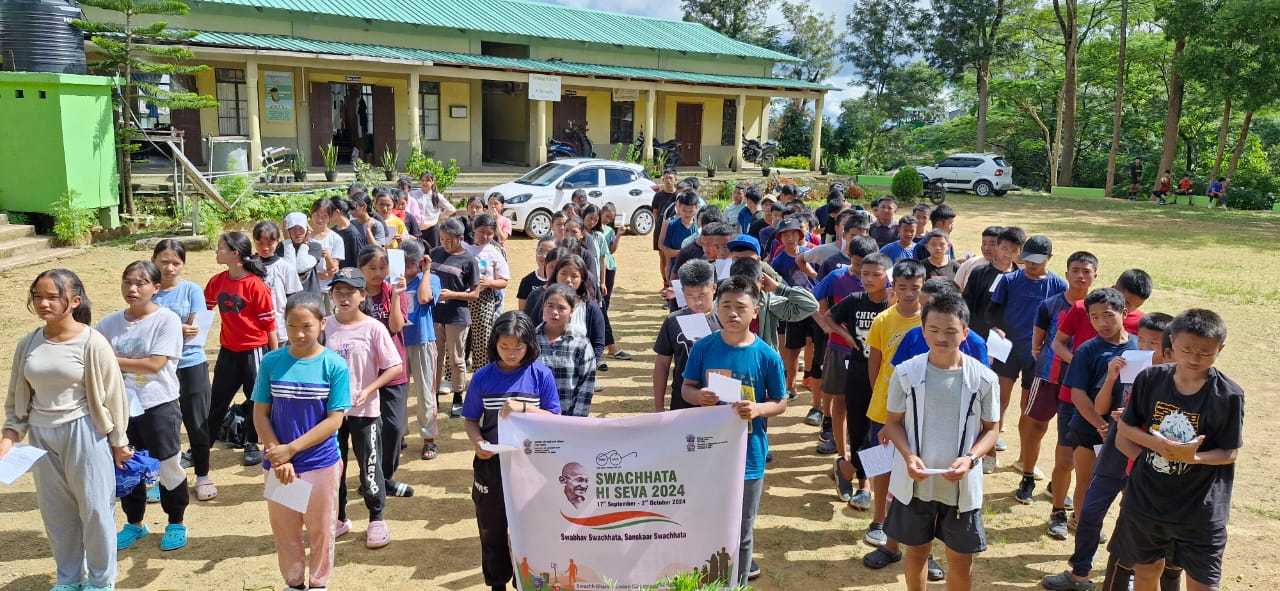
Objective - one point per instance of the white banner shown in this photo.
(543, 87)
(595, 504)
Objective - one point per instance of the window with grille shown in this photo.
(233, 104)
(429, 115)
(728, 122)
(622, 122)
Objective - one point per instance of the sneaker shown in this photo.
(875, 535)
(1001, 445)
(342, 528)
(753, 571)
(620, 355)
(1072, 522)
(989, 464)
(185, 460)
(129, 535)
(1026, 490)
(1017, 466)
(1058, 524)
(826, 448)
(1069, 504)
(791, 395)
(446, 388)
(153, 493)
(455, 411)
(935, 570)
(377, 535)
(825, 434)
(603, 367)
(252, 455)
(1065, 582)
(814, 418)
(844, 486)
(398, 489)
(861, 500)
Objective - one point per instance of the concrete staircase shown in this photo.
(20, 246)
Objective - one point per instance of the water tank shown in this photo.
(37, 36)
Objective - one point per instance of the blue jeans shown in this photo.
(1103, 491)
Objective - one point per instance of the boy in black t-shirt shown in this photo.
(1188, 417)
(697, 281)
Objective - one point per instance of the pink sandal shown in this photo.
(206, 491)
(377, 536)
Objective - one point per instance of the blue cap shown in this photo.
(744, 241)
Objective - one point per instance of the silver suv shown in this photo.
(984, 174)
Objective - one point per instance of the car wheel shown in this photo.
(538, 225)
(1000, 192)
(642, 221)
(982, 188)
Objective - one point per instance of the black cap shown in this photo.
(788, 224)
(1037, 249)
(349, 276)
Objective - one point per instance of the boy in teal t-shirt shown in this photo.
(735, 352)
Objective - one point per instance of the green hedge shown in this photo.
(796, 162)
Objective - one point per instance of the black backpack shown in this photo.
(234, 433)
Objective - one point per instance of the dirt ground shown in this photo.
(805, 537)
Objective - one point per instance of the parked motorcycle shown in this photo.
(935, 191)
(670, 147)
(764, 154)
(579, 144)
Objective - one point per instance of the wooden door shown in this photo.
(188, 121)
(384, 121)
(570, 109)
(321, 120)
(689, 132)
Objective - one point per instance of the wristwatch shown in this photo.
(973, 461)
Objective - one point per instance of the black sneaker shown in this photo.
(1026, 490)
(602, 367)
(826, 448)
(252, 456)
(753, 572)
(1058, 524)
(813, 418)
(455, 411)
(185, 460)
(1065, 582)
(935, 570)
(1067, 503)
(844, 486)
(825, 434)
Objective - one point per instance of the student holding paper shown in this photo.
(301, 393)
(697, 283)
(388, 303)
(186, 299)
(66, 393)
(735, 352)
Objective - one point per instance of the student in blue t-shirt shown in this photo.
(735, 352)
(299, 398)
(513, 381)
(1012, 312)
(913, 342)
(679, 227)
(422, 292)
(905, 246)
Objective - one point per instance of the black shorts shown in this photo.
(922, 521)
(800, 331)
(1087, 439)
(1066, 411)
(1016, 368)
(158, 430)
(1196, 548)
(835, 368)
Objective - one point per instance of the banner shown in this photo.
(621, 503)
(279, 87)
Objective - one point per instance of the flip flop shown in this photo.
(430, 451)
(175, 536)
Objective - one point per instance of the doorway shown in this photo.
(504, 123)
(570, 111)
(689, 132)
(187, 120)
(358, 118)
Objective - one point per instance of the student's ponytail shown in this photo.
(254, 265)
(241, 245)
(69, 286)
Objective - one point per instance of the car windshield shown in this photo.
(543, 175)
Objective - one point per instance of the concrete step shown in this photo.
(4, 218)
(14, 232)
(18, 246)
(42, 257)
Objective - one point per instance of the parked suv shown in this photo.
(984, 174)
(532, 198)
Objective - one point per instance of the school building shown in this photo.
(481, 81)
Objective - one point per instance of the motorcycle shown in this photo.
(935, 191)
(579, 144)
(765, 154)
(670, 147)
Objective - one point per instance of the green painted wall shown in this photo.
(61, 138)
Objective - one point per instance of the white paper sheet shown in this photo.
(877, 459)
(998, 347)
(294, 495)
(204, 323)
(395, 265)
(675, 286)
(1134, 362)
(722, 268)
(728, 389)
(936, 471)
(18, 462)
(694, 326)
(497, 447)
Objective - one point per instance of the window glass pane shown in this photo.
(727, 123)
(431, 117)
(587, 177)
(431, 101)
(431, 132)
(617, 176)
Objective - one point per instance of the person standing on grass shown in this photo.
(184, 298)
(422, 292)
(301, 394)
(147, 339)
(943, 413)
(390, 306)
(513, 381)
(248, 332)
(566, 352)
(66, 394)
(1135, 178)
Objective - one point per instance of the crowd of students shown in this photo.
(871, 313)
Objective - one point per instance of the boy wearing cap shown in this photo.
(1012, 313)
(905, 244)
(883, 229)
(798, 274)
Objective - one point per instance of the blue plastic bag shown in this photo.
(138, 469)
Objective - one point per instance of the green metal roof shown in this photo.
(535, 19)
(282, 43)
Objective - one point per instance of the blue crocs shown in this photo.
(175, 536)
(75, 587)
(88, 587)
(129, 536)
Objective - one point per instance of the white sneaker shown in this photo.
(1017, 465)
(989, 464)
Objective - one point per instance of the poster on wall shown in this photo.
(622, 503)
(626, 95)
(544, 88)
(279, 87)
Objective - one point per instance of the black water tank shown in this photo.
(37, 36)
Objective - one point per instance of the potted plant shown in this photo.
(330, 155)
(764, 171)
(299, 168)
(710, 165)
(828, 160)
(389, 163)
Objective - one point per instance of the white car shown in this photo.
(984, 174)
(532, 198)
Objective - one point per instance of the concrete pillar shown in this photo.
(650, 103)
(815, 152)
(737, 133)
(476, 117)
(251, 99)
(415, 111)
(539, 150)
(764, 119)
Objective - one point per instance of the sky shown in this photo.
(670, 9)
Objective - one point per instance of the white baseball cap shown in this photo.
(295, 219)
